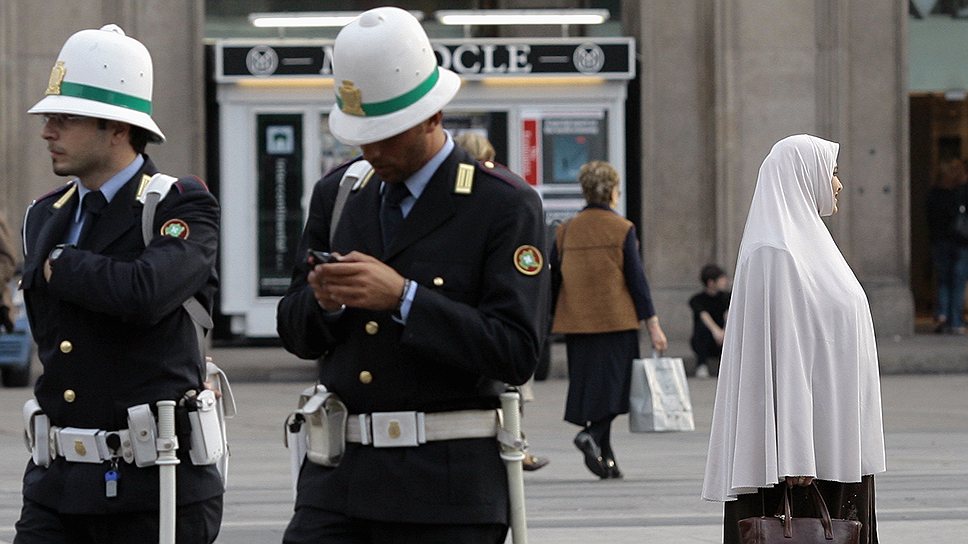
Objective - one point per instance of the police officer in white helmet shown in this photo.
(438, 293)
(104, 303)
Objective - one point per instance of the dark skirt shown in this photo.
(599, 372)
(851, 501)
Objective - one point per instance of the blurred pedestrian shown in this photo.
(798, 398)
(476, 144)
(709, 319)
(481, 149)
(8, 267)
(601, 297)
(106, 308)
(947, 199)
(433, 297)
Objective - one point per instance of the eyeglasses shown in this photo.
(61, 119)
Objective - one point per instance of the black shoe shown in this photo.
(533, 462)
(612, 469)
(593, 455)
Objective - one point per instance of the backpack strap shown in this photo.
(153, 193)
(352, 178)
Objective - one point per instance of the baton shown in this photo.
(513, 455)
(167, 459)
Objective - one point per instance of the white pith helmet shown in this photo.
(104, 74)
(386, 77)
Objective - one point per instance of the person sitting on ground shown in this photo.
(709, 320)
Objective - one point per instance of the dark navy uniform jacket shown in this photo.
(476, 321)
(111, 333)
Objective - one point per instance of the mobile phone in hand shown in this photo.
(315, 257)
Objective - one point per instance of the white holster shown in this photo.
(37, 434)
(143, 430)
(209, 441)
(316, 430)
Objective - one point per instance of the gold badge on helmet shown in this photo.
(57, 74)
(351, 98)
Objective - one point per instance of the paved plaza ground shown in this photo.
(922, 498)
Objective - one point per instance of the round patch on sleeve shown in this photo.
(176, 228)
(528, 260)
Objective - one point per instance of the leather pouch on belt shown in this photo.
(325, 417)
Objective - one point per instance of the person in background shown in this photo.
(434, 297)
(798, 398)
(476, 144)
(105, 307)
(481, 149)
(949, 251)
(8, 267)
(601, 294)
(708, 320)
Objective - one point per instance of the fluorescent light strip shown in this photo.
(309, 18)
(522, 17)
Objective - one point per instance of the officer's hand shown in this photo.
(208, 385)
(361, 281)
(47, 270)
(321, 289)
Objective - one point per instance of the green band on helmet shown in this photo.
(400, 102)
(113, 98)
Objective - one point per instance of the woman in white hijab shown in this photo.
(798, 398)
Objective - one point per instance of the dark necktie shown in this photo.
(93, 204)
(391, 215)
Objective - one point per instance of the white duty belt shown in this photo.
(90, 445)
(407, 429)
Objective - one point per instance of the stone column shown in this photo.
(32, 33)
(721, 82)
(678, 154)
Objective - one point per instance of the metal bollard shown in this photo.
(167, 460)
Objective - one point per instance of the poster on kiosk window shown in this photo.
(280, 171)
(555, 146)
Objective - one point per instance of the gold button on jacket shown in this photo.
(438, 281)
(69, 395)
(366, 377)
(66, 346)
(372, 327)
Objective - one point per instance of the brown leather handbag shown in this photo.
(783, 528)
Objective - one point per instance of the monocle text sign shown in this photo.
(608, 58)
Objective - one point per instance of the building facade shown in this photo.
(716, 84)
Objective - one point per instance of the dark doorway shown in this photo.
(939, 132)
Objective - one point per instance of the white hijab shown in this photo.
(798, 391)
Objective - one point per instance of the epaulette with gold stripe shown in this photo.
(142, 185)
(464, 182)
(68, 190)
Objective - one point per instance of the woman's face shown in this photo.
(837, 187)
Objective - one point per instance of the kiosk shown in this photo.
(547, 105)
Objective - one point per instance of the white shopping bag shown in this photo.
(659, 396)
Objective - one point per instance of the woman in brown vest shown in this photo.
(601, 296)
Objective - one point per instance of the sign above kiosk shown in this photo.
(606, 58)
